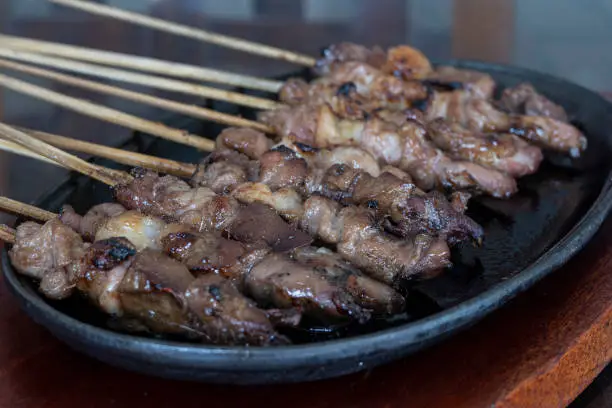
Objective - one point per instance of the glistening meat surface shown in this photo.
(203, 210)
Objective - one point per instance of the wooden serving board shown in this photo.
(541, 350)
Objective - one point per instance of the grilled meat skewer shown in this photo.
(290, 171)
(406, 146)
(203, 210)
(146, 288)
(523, 99)
(478, 114)
(206, 253)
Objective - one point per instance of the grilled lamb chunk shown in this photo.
(228, 317)
(402, 61)
(369, 294)
(343, 52)
(359, 240)
(481, 115)
(246, 141)
(259, 223)
(523, 99)
(46, 253)
(89, 224)
(320, 289)
(503, 151)
(204, 252)
(410, 210)
(476, 83)
(282, 169)
(152, 291)
(101, 270)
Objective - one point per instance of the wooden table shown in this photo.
(541, 350)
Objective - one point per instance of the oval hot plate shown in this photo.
(527, 237)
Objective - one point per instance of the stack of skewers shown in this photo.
(359, 187)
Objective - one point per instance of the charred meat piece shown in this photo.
(402, 61)
(376, 297)
(168, 197)
(282, 169)
(223, 169)
(435, 215)
(343, 98)
(141, 230)
(282, 282)
(431, 168)
(101, 270)
(481, 115)
(523, 99)
(502, 151)
(259, 223)
(359, 240)
(378, 89)
(203, 252)
(410, 210)
(153, 292)
(407, 63)
(89, 224)
(46, 253)
(352, 156)
(246, 141)
(355, 89)
(475, 83)
(550, 134)
(220, 176)
(226, 316)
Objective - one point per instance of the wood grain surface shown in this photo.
(541, 350)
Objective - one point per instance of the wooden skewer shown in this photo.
(153, 81)
(135, 159)
(107, 114)
(116, 59)
(11, 147)
(29, 211)
(191, 110)
(15, 148)
(72, 162)
(190, 32)
(7, 234)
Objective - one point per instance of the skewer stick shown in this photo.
(152, 81)
(72, 162)
(7, 234)
(11, 147)
(139, 63)
(107, 114)
(158, 164)
(190, 32)
(191, 110)
(29, 211)
(15, 148)
(135, 159)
